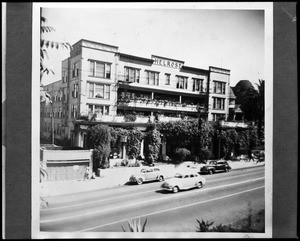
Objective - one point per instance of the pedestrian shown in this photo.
(250, 155)
(87, 174)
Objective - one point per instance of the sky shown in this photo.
(230, 39)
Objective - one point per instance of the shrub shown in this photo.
(130, 118)
(181, 154)
(251, 223)
(205, 154)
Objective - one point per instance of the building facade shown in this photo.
(99, 84)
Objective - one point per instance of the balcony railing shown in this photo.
(231, 124)
(157, 104)
(138, 119)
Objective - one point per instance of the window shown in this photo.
(98, 109)
(64, 76)
(198, 85)
(74, 110)
(181, 82)
(75, 91)
(132, 75)
(216, 117)
(219, 87)
(91, 90)
(75, 69)
(100, 69)
(99, 91)
(218, 103)
(106, 110)
(65, 94)
(167, 81)
(152, 77)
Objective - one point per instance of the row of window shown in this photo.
(103, 70)
(98, 109)
(152, 77)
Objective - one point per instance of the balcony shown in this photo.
(231, 124)
(157, 105)
(137, 119)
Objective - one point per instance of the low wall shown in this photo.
(66, 164)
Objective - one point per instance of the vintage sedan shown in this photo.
(186, 180)
(215, 166)
(147, 174)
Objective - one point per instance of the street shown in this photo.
(224, 198)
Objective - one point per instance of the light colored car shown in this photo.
(184, 180)
(147, 174)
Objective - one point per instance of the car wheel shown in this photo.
(161, 178)
(210, 172)
(139, 181)
(200, 185)
(175, 189)
(227, 169)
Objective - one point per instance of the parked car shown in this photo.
(147, 174)
(215, 166)
(184, 180)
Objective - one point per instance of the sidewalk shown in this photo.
(113, 178)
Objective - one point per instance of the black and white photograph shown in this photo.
(153, 120)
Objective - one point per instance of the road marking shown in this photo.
(129, 195)
(172, 209)
(96, 201)
(147, 201)
(248, 174)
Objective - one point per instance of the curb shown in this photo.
(122, 185)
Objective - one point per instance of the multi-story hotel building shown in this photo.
(102, 85)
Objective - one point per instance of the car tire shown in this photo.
(175, 189)
(210, 172)
(227, 170)
(161, 178)
(200, 185)
(139, 181)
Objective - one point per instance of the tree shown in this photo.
(134, 139)
(252, 104)
(44, 45)
(99, 139)
(188, 134)
(152, 145)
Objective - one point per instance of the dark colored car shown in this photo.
(215, 166)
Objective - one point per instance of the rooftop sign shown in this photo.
(171, 63)
(219, 70)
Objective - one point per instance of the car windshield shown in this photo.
(178, 175)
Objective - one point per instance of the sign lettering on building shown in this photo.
(167, 62)
(221, 71)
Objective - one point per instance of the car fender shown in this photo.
(139, 176)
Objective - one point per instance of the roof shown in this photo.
(136, 58)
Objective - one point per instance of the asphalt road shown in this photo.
(225, 198)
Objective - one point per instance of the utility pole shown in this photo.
(52, 124)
